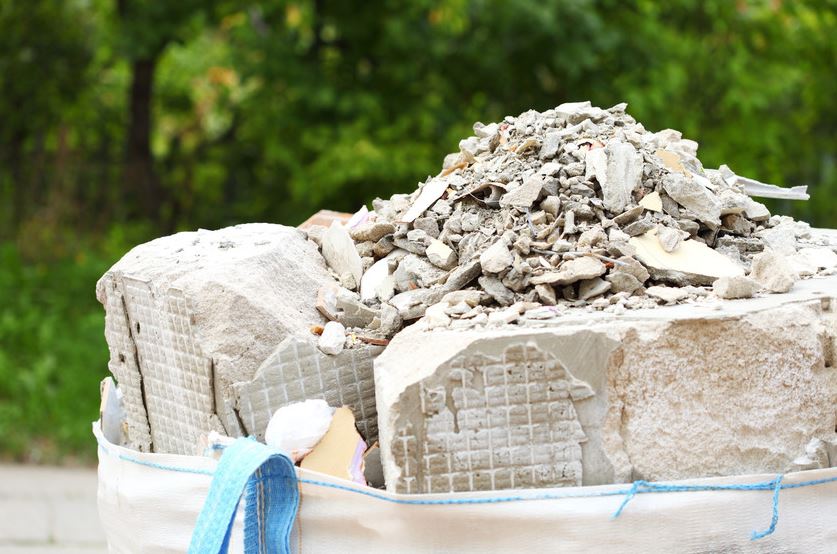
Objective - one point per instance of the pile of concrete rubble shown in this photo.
(571, 274)
(575, 207)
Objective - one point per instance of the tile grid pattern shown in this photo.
(177, 377)
(297, 371)
(492, 424)
(123, 365)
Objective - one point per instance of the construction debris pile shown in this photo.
(573, 207)
(500, 327)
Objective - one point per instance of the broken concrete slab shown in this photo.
(692, 263)
(693, 196)
(618, 169)
(496, 258)
(571, 271)
(295, 371)
(430, 192)
(189, 315)
(526, 194)
(511, 407)
(341, 256)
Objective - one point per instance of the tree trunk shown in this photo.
(141, 181)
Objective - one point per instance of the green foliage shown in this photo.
(52, 356)
(269, 110)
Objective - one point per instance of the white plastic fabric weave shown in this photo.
(150, 503)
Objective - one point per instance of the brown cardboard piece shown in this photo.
(340, 452)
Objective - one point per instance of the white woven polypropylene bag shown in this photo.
(151, 502)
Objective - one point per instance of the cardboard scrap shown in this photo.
(671, 160)
(340, 451)
(652, 202)
(325, 218)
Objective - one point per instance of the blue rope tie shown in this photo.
(775, 519)
(775, 485)
(628, 497)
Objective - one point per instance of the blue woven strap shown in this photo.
(271, 502)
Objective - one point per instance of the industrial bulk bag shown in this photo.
(165, 503)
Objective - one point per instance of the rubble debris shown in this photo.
(764, 190)
(652, 202)
(333, 338)
(297, 428)
(373, 469)
(340, 451)
(339, 252)
(772, 272)
(537, 207)
(572, 211)
(736, 286)
(815, 456)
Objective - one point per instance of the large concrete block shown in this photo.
(675, 392)
(190, 315)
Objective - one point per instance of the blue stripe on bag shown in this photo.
(271, 501)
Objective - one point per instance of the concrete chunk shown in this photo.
(693, 196)
(524, 195)
(340, 254)
(189, 315)
(735, 287)
(584, 267)
(772, 271)
(496, 257)
(441, 255)
(618, 169)
(598, 399)
(296, 370)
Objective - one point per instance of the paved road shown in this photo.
(47, 510)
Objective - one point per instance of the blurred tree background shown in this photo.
(122, 120)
